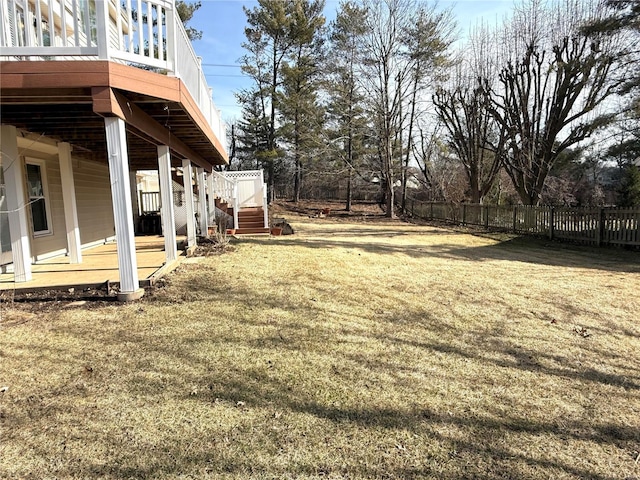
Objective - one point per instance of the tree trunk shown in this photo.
(474, 184)
(390, 213)
(390, 200)
(271, 183)
(297, 180)
(349, 194)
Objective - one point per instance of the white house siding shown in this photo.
(93, 197)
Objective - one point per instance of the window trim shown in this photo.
(45, 195)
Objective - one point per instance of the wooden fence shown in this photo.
(593, 226)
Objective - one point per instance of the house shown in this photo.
(92, 91)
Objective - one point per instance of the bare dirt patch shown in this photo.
(327, 209)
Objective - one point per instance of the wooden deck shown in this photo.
(99, 266)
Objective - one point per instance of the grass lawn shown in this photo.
(353, 349)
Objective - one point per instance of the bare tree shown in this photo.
(396, 56)
(472, 133)
(427, 51)
(554, 78)
(386, 22)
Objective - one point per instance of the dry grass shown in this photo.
(350, 350)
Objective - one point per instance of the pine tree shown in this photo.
(629, 193)
(268, 42)
(301, 114)
(347, 124)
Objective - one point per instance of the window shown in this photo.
(38, 201)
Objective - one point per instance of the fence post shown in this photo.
(551, 222)
(486, 216)
(431, 218)
(515, 217)
(464, 213)
(600, 231)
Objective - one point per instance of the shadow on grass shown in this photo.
(473, 442)
(519, 249)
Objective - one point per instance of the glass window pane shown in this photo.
(34, 180)
(39, 216)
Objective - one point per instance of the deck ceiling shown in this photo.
(67, 101)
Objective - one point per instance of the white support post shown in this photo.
(187, 178)
(202, 198)
(166, 199)
(135, 198)
(212, 198)
(14, 190)
(122, 209)
(69, 201)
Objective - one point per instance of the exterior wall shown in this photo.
(93, 197)
(41, 148)
(56, 241)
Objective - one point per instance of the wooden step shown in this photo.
(247, 220)
(250, 225)
(252, 231)
(251, 217)
(249, 210)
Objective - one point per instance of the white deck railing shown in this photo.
(147, 34)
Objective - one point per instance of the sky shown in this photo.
(222, 23)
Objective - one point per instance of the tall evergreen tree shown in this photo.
(301, 115)
(268, 42)
(346, 112)
(629, 193)
(251, 132)
(624, 18)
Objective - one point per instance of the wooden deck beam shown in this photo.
(44, 86)
(108, 102)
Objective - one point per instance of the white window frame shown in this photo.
(45, 195)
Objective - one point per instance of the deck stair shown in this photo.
(241, 196)
(251, 221)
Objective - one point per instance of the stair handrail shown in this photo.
(223, 186)
(264, 205)
(236, 205)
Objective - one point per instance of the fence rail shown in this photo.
(593, 226)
